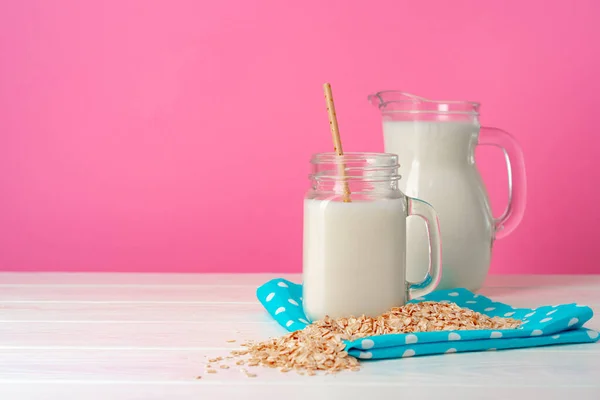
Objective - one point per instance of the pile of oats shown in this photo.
(427, 316)
(320, 347)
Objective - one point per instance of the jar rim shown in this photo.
(386, 159)
(358, 166)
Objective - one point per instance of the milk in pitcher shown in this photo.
(437, 165)
(435, 141)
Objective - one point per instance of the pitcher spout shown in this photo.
(380, 99)
(396, 101)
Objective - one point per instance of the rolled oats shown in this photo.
(320, 347)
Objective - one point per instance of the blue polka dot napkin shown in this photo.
(542, 326)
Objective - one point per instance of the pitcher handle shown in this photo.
(517, 179)
(434, 272)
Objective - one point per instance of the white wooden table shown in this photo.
(144, 336)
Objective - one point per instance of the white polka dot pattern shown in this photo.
(367, 344)
(411, 339)
(408, 353)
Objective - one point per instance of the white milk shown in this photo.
(437, 166)
(354, 257)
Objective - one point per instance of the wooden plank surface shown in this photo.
(147, 336)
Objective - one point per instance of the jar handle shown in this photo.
(434, 273)
(517, 180)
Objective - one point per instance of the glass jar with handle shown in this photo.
(354, 259)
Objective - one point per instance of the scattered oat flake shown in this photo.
(199, 377)
(231, 341)
(320, 345)
(224, 366)
(250, 375)
(211, 371)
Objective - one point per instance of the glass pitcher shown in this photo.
(435, 142)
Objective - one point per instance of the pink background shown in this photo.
(175, 135)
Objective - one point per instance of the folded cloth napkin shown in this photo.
(542, 326)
